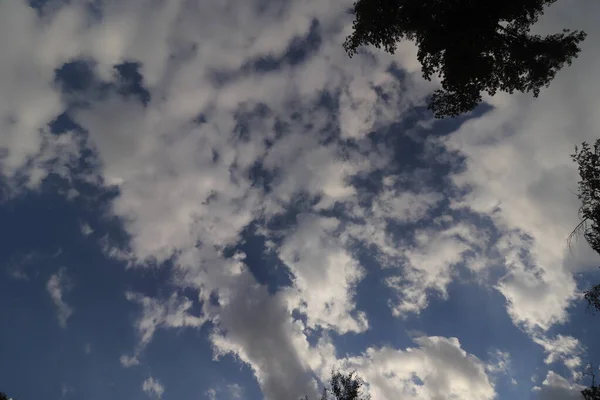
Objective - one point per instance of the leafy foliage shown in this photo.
(591, 393)
(344, 387)
(588, 160)
(474, 46)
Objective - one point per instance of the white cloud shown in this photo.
(325, 275)
(211, 394)
(500, 364)
(258, 328)
(184, 188)
(438, 369)
(153, 388)
(173, 312)
(431, 264)
(555, 387)
(17, 266)
(403, 206)
(56, 286)
(520, 174)
(29, 101)
(565, 349)
(537, 294)
(86, 229)
(229, 392)
(129, 361)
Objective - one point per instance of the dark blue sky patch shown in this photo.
(407, 158)
(265, 266)
(75, 76)
(54, 223)
(261, 177)
(182, 360)
(46, 223)
(63, 124)
(478, 317)
(130, 81)
(372, 296)
(79, 84)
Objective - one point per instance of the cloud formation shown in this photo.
(56, 286)
(156, 313)
(437, 369)
(565, 349)
(153, 388)
(555, 387)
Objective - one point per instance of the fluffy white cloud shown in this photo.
(29, 100)
(519, 173)
(538, 295)
(56, 286)
(153, 388)
(555, 387)
(438, 369)
(431, 262)
(324, 274)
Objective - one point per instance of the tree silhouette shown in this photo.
(593, 392)
(588, 160)
(344, 387)
(474, 46)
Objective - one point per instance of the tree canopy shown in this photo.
(344, 387)
(474, 46)
(591, 393)
(588, 192)
(588, 160)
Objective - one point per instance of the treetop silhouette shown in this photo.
(474, 46)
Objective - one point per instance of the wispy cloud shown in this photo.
(173, 312)
(153, 388)
(57, 286)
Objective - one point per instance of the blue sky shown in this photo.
(212, 201)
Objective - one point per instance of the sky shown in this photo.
(211, 200)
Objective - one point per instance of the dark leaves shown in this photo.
(588, 161)
(346, 387)
(343, 387)
(592, 393)
(475, 47)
